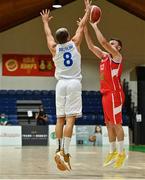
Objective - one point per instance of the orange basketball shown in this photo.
(95, 14)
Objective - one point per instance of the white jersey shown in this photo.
(67, 61)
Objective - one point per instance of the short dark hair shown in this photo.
(118, 40)
(62, 35)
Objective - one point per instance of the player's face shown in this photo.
(114, 44)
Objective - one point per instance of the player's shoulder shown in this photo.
(117, 58)
(105, 56)
(76, 46)
(72, 41)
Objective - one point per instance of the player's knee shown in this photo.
(70, 124)
(61, 121)
(110, 126)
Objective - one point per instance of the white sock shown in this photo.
(59, 143)
(120, 146)
(112, 146)
(66, 144)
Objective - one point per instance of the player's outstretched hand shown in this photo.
(87, 5)
(94, 25)
(78, 22)
(45, 14)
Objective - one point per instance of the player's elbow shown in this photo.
(90, 46)
(46, 33)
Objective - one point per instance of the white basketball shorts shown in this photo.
(68, 98)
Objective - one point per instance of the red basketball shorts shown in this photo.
(112, 107)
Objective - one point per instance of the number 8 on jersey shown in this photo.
(67, 59)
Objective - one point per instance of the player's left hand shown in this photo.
(78, 22)
(94, 25)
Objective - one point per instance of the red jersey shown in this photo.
(110, 74)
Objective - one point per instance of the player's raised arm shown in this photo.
(96, 50)
(102, 40)
(45, 14)
(77, 38)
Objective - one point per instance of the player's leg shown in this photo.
(120, 138)
(118, 101)
(60, 112)
(68, 130)
(108, 113)
(112, 155)
(111, 136)
(73, 109)
(121, 151)
(59, 132)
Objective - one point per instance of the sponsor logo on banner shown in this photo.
(27, 65)
(52, 136)
(34, 135)
(10, 136)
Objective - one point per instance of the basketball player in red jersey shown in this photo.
(112, 92)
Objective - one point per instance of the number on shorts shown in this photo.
(67, 59)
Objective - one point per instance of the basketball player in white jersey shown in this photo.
(67, 60)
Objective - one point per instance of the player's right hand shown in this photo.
(45, 14)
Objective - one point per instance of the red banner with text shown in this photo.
(27, 65)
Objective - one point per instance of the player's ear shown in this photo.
(119, 48)
(68, 38)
